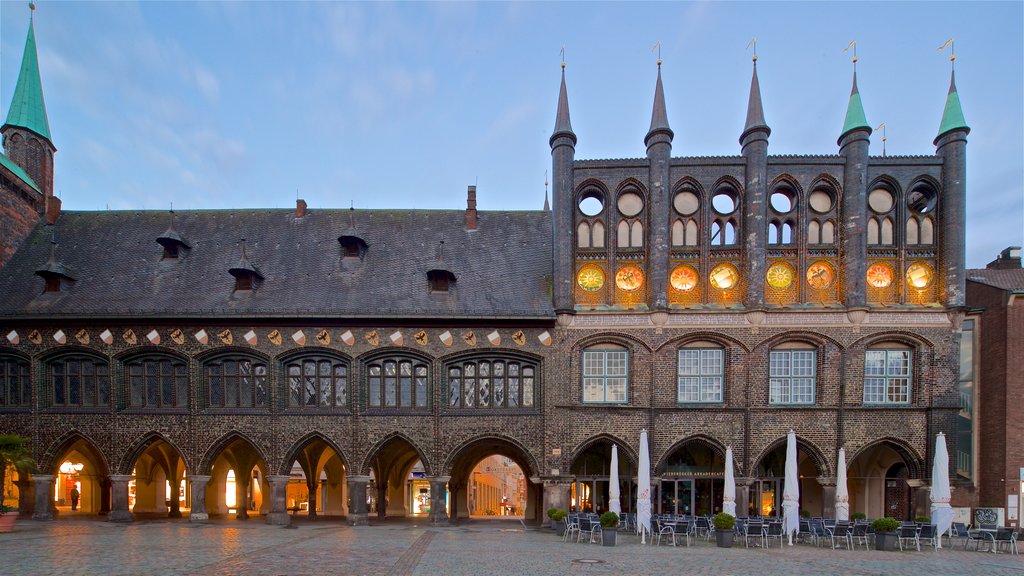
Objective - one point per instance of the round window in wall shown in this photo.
(590, 278)
(724, 202)
(780, 275)
(820, 275)
(783, 200)
(724, 276)
(879, 275)
(920, 275)
(591, 203)
(921, 199)
(820, 201)
(686, 202)
(684, 278)
(630, 203)
(880, 200)
(629, 278)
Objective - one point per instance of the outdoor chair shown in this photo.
(585, 526)
(774, 530)
(595, 533)
(860, 535)
(572, 528)
(817, 531)
(928, 535)
(753, 529)
(908, 534)
(959, 531)
(805, 531)
(665, 529)
(702, 527)
(841, 531)
(1005, 537)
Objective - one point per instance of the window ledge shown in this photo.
(235, 411)
(708, 404)
(315, 410)
(162, 411)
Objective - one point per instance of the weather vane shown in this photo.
(563, 57)
(952, 51)
(882, 128)
(753, 44)
(657, 46)
(847, 49)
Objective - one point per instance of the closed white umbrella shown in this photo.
(643, 503)
(842, 493)
(942, 514)
(791, 491)
(729, 495)
(613, 488)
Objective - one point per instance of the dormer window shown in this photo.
(52, 284)
(172, 242)
(171, 252)
(55, 274)
(440, 280)
(243, 282)
(352, 246)
(247, 276)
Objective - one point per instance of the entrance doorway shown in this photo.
(693, 479)
(591, 488)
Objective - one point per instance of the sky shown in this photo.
(402, 105)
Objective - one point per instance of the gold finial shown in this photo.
(952, 50)
(753, 44)
(563, 57)
(657, 46)
(32, 6)
(847, 49)
(882, 128)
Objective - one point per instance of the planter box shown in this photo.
(885, 540)
(608, 536)
(7, 521)
(724, 538)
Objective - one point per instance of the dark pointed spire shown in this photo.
(171, 237)
(27, 107)
(755, 111)
(245, 267)
(562, 125)
(547, 207)
(659, 115)
(855, 118)
(952, 115)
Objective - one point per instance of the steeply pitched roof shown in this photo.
(659, 112)
(755, 111)
(27, 107)
(855, 118)
(18, 171)
(503, 267)
(952, 115)
(563, 127)
(1011, 280)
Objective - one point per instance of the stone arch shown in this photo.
(724, 340)
(324, 469)
(303, 351)
(915, 462)
(625, 340)
(494, 444)
(917, 341)
(626, 449)
(631, 183)
(144, 443)
(224, 442)
(728, 182)
(93, 476)
(788, 180)
(305, 440)
(219, 351)
(156, 462)
(149, 350)
(701, 440)
(688, 183)
(814, 453)
(66, 442)
(383, 443)
(815, 339)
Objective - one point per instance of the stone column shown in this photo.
(312, 486)
(104, 495)
(175, 480)
(242, 483)
(556, 495)
(743, 495)
(119, 498)
(357, 515)
(43, 509)
(197, 485)
(438, 500)
(26, 498)
(828, 496)
(278, 515)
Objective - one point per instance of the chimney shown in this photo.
(471, 208)
(52, 209)
(1008, 259)
(300, 208)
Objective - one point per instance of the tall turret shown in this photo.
(951, 145)
(659, 153)
(754, 148)
(853, 146)
(26, 132)
(563, 151)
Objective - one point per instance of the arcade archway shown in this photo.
(591, 486)
(692, 478)
(398, 473)
(877, 479)
(491, 477)
(158, 483)
(317, 483)
(770, 477)
(238, 483)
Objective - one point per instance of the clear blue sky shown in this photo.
(241, 104)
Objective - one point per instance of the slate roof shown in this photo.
(502, 269)
(1004, 279)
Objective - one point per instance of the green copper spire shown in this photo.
(855, 119)
(27, 107)
(953, 115)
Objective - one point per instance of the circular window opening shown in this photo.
(820, 201)
(591, 203)
(782, 200)
(686, 203)
(630, 204)
(724, 202)
(880, 200)
(922, 200)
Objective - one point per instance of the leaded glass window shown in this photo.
(397, 383)
(317, 382)
(887, 376)
(491, 383)
(79, 382)
(701, 373)
(15, 385)
(793, 375)
(605, 376)
(157, 383)
(236, 382)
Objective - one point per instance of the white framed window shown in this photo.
(887, 376)
(606, 376)
(792, 376)
(700, 375)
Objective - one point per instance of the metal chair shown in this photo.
(774, 530)
(860, 535)
(929, 535)
(753, 529)
(908, 533)
(841, 531)
(572, 526)
(1005, 537)
(702, 526)
(959, 530)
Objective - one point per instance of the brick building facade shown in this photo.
(714, 301)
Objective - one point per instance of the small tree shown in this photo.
(609, 519)
(14, 452)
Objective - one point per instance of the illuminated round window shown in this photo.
(629, 278)
(724, 276)
(590, 278)
(920, 275)
(684, 278)
(780, 275)
(820, 275)
(879, 275)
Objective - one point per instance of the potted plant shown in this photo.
(885, 533)
(557, 516)
(14, 452)
(858, 516)
(725, 525)
(922, 520)
(609, 523)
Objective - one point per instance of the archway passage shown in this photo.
(81, 481)
(238, 481)
(490, 477)
(770, 478)
(396, 470)
(877, 478)
(692, 479)
(591, 486)
(158, 485)
(317, 480)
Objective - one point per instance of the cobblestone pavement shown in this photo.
(407, 548)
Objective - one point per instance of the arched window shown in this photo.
(15, 385)
(583, 235)
(79, 381)
(887, 375)
(678, 233)
(236, 382)
(793, 375)
(317, 382)
(157, 382)
(927, 231)
(700, 373)
(491, 383)
(397, 382)
(606, 374)
(828, 233)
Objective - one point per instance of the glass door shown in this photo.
(676, 497)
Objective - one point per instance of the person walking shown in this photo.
(74, 498)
